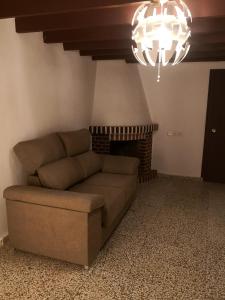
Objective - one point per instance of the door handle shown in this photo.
(213, 130)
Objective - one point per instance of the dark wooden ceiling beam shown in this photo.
(199, 51)
(126, 44)
(12, 8)
(117, 33)
(187, 60)
(98, 45)
(212, 38)
(208, 25)
(204, 59)
(205, 56)
(208, 47)
(89, 34)
(106, 52)
(100, 18)
(112, 57)
(192, 57)
(73, 20)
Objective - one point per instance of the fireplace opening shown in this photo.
(135, 141)
(124, 148)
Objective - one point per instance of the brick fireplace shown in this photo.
(127, 140)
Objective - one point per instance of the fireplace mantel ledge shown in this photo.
(124, 129)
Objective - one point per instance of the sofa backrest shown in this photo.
(76, 142)
(59, 160)
(61, 174)
(35, 153)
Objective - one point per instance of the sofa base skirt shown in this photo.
(108, 231)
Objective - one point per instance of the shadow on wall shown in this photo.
(43, 89)
(119, 98)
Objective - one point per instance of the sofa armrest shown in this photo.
(79, 202)
(120, 164)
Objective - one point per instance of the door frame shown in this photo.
(208, 127)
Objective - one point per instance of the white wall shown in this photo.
(129, 94)
(179, 103)
(119, 98)
(42, 89)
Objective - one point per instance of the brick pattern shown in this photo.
(101, 144)
(124, 133)
(102, 137)
(145, 155)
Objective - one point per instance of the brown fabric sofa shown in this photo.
(74, 198)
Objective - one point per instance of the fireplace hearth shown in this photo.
(133, 141)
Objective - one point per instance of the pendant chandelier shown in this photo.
(161, 32)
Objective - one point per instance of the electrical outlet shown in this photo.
(174, 133)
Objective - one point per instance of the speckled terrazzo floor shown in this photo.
(170, 245)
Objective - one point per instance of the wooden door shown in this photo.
(213, 168)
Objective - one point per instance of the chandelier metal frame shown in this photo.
(161, 33)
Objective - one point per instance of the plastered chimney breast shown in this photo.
(119, 97)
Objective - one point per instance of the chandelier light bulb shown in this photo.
(161, 33)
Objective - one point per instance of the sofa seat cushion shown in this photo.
(114, 199)
(126, 182)
(90, 162)
(61, 174)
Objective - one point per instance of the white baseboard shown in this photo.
(2, 240)
(179, 176)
